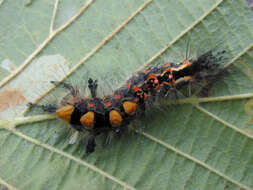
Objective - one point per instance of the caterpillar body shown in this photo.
(94, 115)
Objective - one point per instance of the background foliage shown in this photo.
(187, 145)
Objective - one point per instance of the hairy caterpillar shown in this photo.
(94, 115)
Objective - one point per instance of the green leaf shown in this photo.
(194, 143)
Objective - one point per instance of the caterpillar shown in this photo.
(94, 115)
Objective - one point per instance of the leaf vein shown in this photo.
(44, 44)
(223, 122)
(180, 35)
(193, 100)
(194, 160)
(10, 187)
(97, 48)
(69, 156)
(53, 17)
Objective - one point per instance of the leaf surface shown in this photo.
(191, 144)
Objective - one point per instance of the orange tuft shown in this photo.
(65, 112)
(156, 82)
(166, 71)
(188, 78)
(129, 107)
(88, 120)
(186, 63)
(137, 88)
(117, 96)
(115, 118)
(152, 76)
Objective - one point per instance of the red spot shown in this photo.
(107, 104)
(136, 88)
(90, 105)
(152, 76)
(166, 65)
(78, 101)
(157, 85)
(117, 96)
(145, 96)
(129, 85)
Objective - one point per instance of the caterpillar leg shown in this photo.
(93, 87)
(166, 90)
(90, 147)
(47, 108)
(171, 92)
(91, 142)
